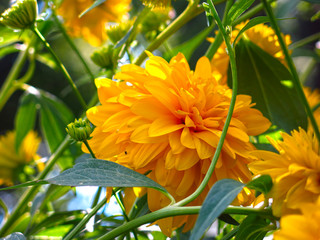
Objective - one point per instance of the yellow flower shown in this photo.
(261, 35)
(295, 171)
(313, 98)
(11, 161)
(301, 226)
(92, 25)
(168, 120)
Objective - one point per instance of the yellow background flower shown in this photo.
(261, 35)
(92, 26)
(10, 160)
(295, 171)
(301, 226)
(168, 119)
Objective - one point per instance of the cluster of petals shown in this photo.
(261, 35)
(11, 160)
(92, 25)
(295, 170)
(166, 119)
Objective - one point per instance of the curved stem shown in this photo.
(172, 211)
(72, 45)
(230, 111)
(31, 192)
(61, 66)
(7, 88)
(292, 68)
(190, 12)
(305, 41)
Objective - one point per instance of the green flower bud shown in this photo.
(117, 32)
(21, 15)
(105, 57)
(79, 130)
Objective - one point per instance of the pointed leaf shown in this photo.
(237, 9)
(269, 83)
(253, 228)
(95, 4)
(219, 197)
(262, 184)
(25, 117)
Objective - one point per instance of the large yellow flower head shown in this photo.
(168, 120)
(295, 171)
(92, 25)
(301, 226)
(261, 35)
(11, 161)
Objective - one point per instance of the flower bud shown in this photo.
(105, 57)
(117, 32)
(156, 3)
(79, 130)
(21, 15)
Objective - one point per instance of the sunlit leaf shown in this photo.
(262, 76)
(219, 197)
(237, 9)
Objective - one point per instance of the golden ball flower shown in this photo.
(261, 35)
(295, 170)
(301, 226)
(92, 25)
(20, 15)
(12, 161)
(168, 119)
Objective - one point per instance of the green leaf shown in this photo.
(95, 4)
(47, 59)
(237, 9)
(95, 172)
(188, 47)
(219, 197)
(4, 51)
(253, 22)
(15, 236)
(262, 77)
(228, 219)
(262, 184)
(25, 117)
(313, 1)
(253, 228)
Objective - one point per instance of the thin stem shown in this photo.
(8, 88)
(172, 211)
(96, 197)
(292, 68)
(61, 66)
(190, 12)
(230, 111)
(30, 193)
(305, 41)
(85, 220)
(89, 148)
(72, 45)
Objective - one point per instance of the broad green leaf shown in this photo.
(237, 9)
(252, 228)
(262, 184)
(15, 236)
(253, 22)
(262, 77)
(95, 4)
(25, 117)
(219, 197)
(188, 47)
(96, 172)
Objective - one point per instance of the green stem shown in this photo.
(96, 197)
(72, 45)
(292, 68)
(190, 12)
(89, 148)
(61, 66)
(218, 39)
(305, 41)
(85, 220)
(172, 211)
(8, 88)
(30, 193)
(230, 111)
